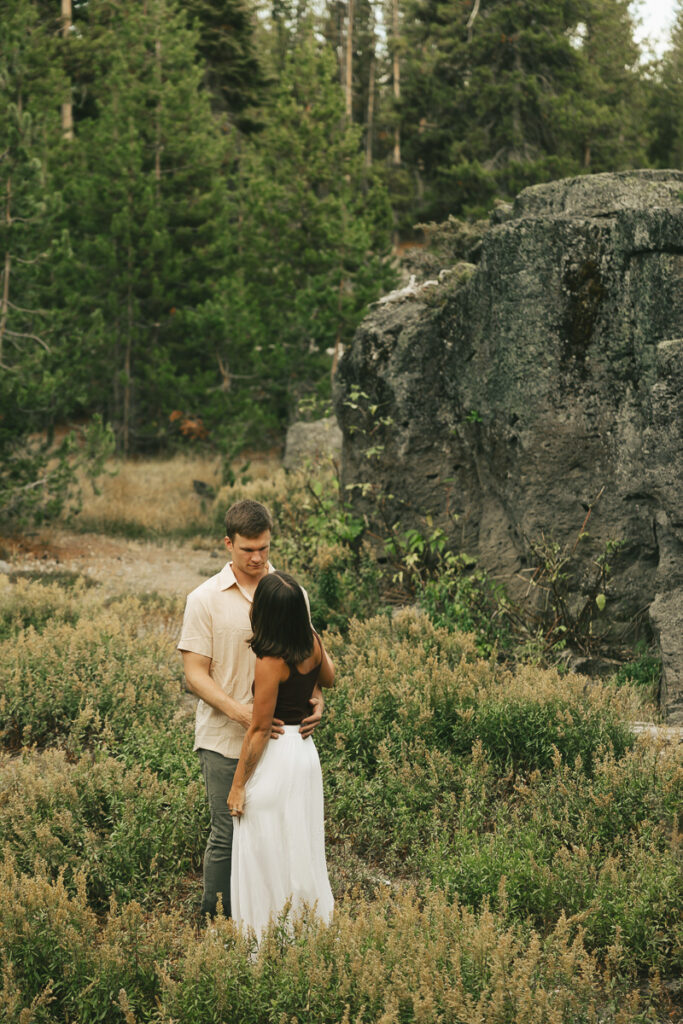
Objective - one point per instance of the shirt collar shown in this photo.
(226, 577)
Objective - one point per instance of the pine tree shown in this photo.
(37, 476)
(310, 228)
(666, 101)
(144, 182)
(29, 210)
(610, 118)
(503, 93)
(226, 46)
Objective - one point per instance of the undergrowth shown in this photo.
(501, 847)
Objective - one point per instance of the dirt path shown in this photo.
(117, 564)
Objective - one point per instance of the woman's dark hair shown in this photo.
(279, 620)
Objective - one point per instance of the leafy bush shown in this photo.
(644, 672)
(400, 957)
(456, 773)
(26, 603)
(471, 602)
(539, 837)
(40, 478)
(122, 831)
(413, 680)
(101, 675)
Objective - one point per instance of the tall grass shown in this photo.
(502, 848)
(149, 497)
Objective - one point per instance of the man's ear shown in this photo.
(228, 543)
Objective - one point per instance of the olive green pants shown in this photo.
(218, 772)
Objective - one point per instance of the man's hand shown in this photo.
(308, 724)
(277, 728)
(236, 801)
(241, 713)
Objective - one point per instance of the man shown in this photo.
(219, 669)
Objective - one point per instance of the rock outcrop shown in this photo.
(501, 399)
(312, 443)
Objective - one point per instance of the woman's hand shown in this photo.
(236, 801)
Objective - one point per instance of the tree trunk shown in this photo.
(4, 309)
(129, 337)
(471, 19)
(397, 83)
(158, 147)
(67, 108)
(349, 61)
(371, 112)
(517, 129)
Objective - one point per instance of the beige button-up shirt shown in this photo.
(216, 624)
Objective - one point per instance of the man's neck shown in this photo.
(246, 582)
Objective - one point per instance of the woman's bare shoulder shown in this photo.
(272, 668)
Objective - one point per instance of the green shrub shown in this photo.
(644, 673)
(470, 602)
(123, 831)
(61, 963)
(451, 771)
(26, 603)
(404, 679)
(73, 683)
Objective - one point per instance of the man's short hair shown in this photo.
(248, 518)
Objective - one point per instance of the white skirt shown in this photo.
(278, 848)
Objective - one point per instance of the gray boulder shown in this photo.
(504, 398)
(312, 443)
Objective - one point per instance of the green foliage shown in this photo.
(40, 479)
(127, 831)
(459, 598)
(521, 790)
(26, 603)
(537, 836)
(516, 95)
(665, 94)
(226, 44)
(146, 204)
(309, 229)
(70, 683)
(644, 672)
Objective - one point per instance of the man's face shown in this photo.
(250, 554)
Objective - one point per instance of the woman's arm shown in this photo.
(268, 675)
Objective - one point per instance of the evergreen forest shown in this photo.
(199, 198)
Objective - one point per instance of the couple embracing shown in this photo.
(253, 658)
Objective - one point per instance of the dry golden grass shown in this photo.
(157, 495)
(153, 494)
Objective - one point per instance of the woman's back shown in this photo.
(295, 692)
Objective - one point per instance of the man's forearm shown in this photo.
(204, 687)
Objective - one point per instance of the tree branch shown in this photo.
(32, 337)
(472, 19)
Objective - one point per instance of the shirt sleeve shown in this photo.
(197, 631)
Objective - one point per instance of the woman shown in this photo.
(276, 799)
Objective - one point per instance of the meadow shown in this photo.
(502, 847)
